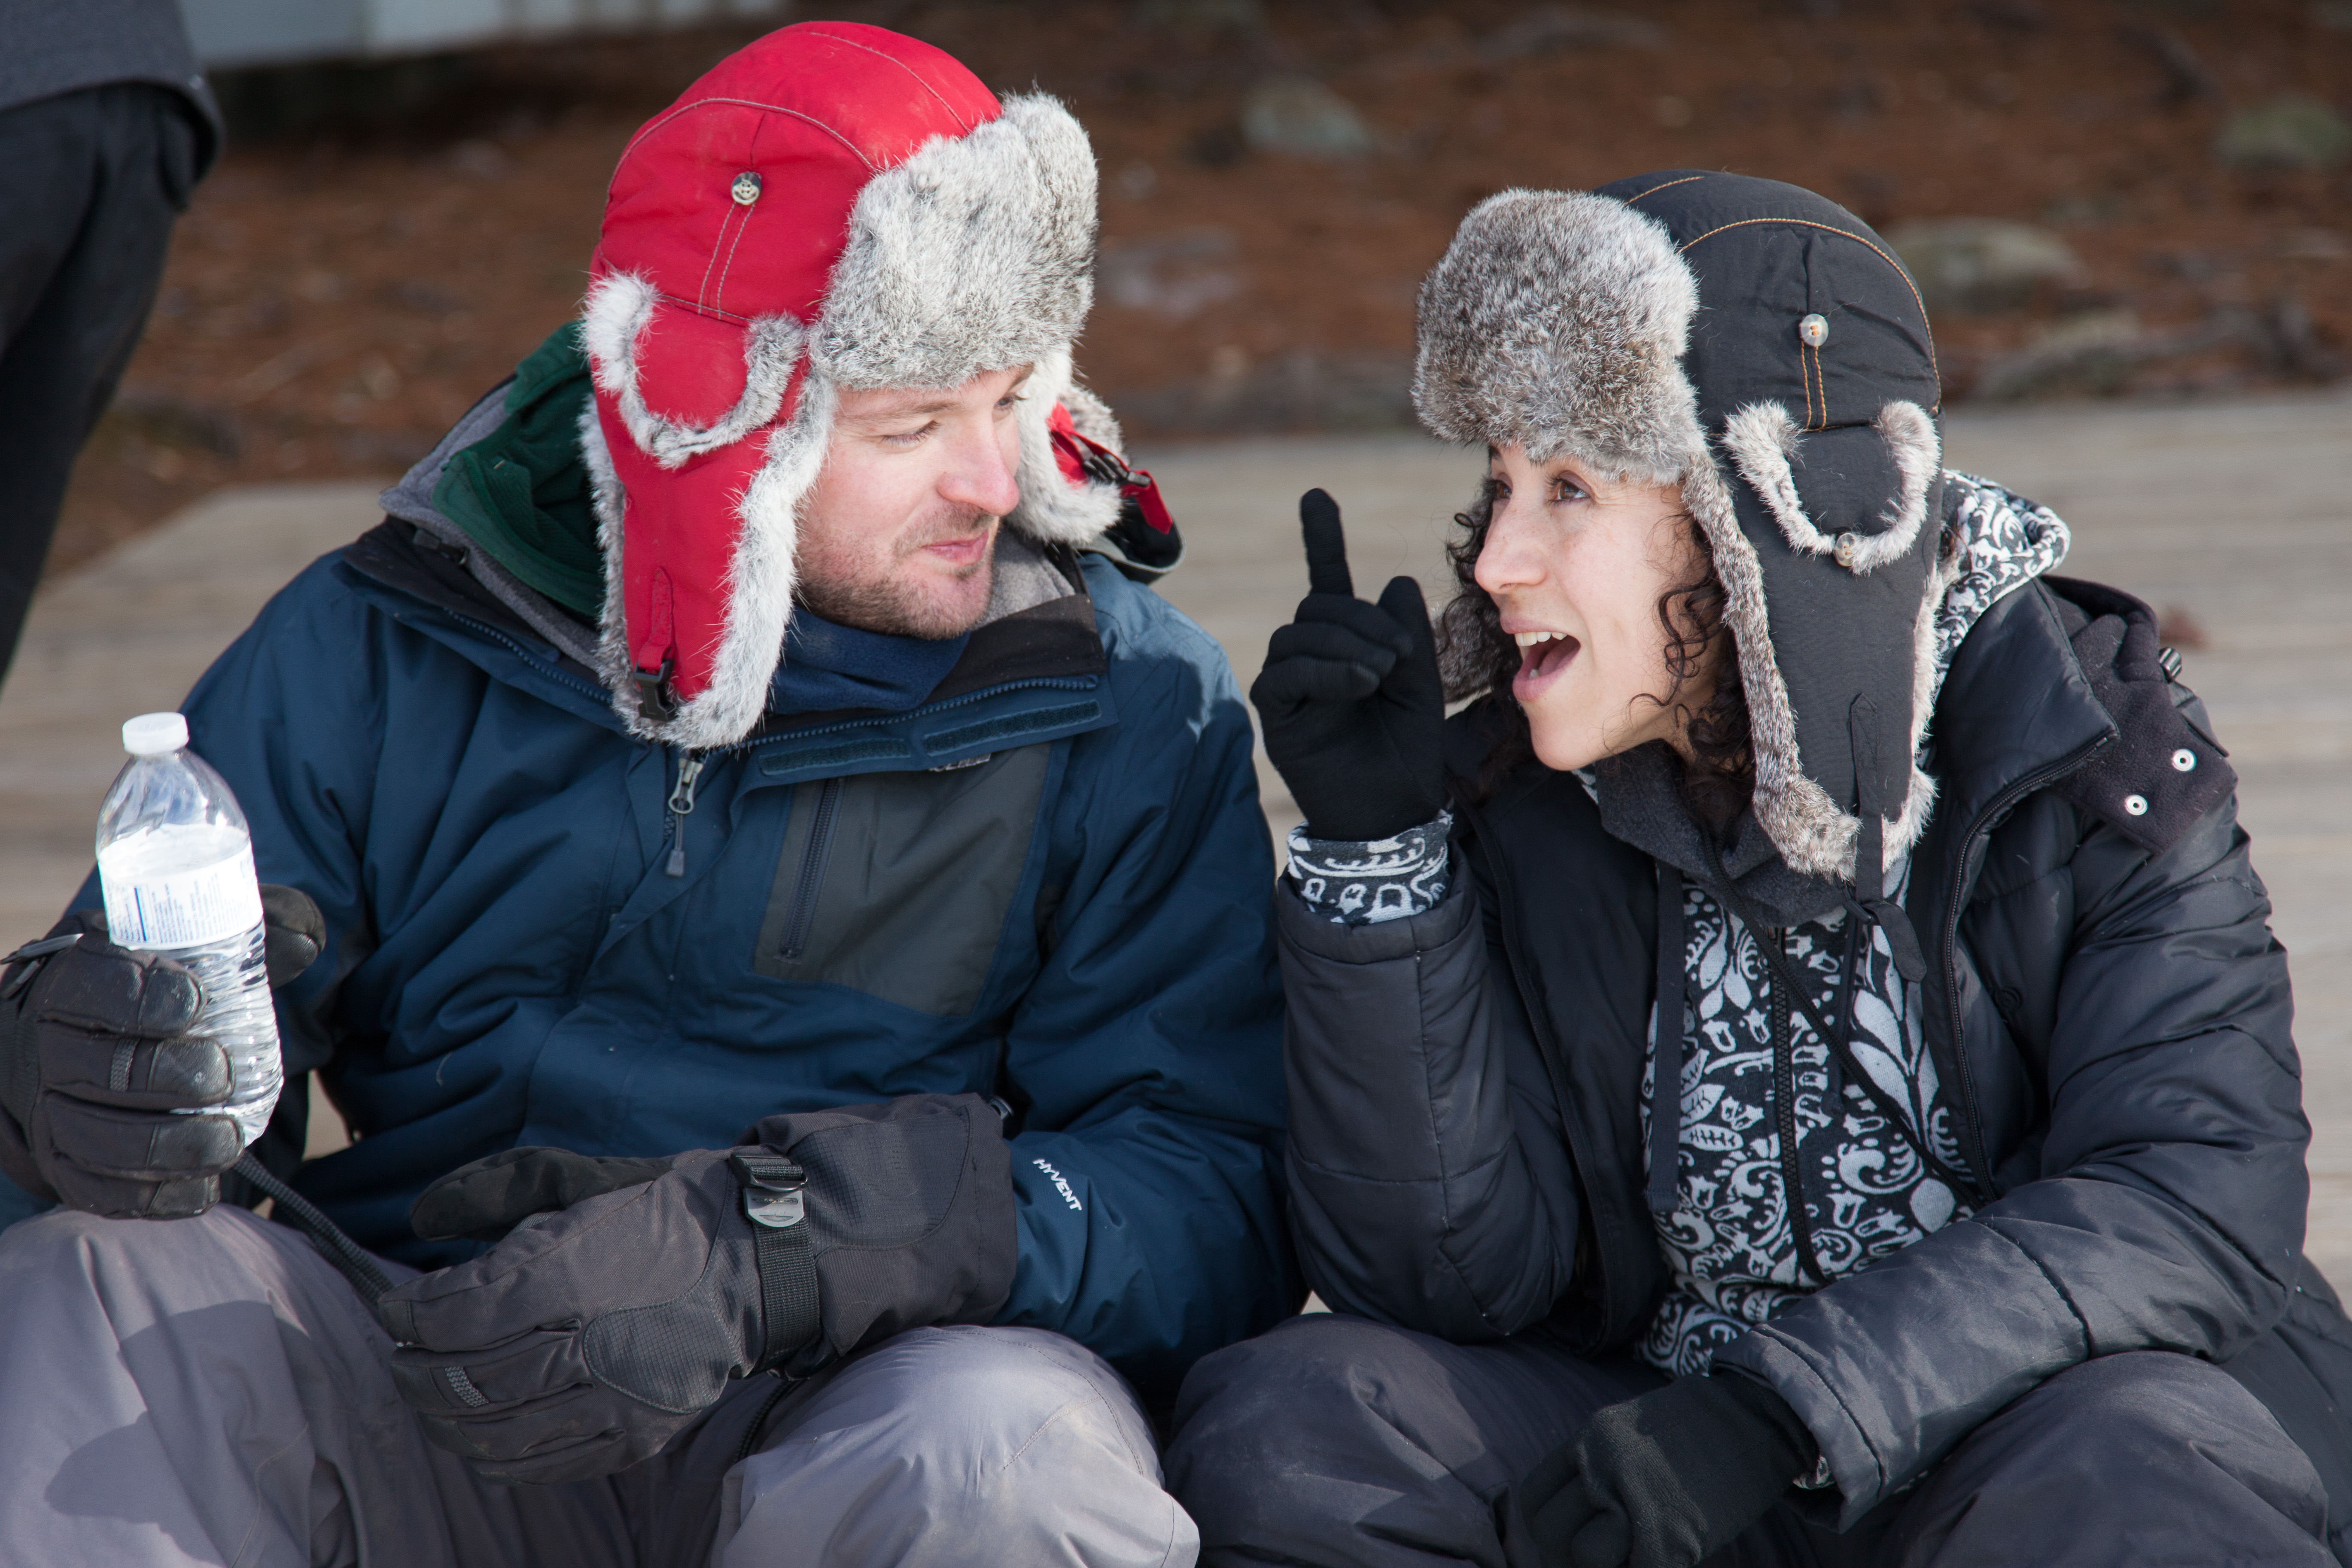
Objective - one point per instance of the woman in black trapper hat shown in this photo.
(1798, 1069)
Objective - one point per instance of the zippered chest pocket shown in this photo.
(897, 885)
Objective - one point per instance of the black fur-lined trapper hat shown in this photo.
(1759, 346)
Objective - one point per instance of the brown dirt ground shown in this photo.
(343, 290)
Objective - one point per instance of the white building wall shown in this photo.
(278, 32)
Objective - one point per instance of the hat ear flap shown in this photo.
(1761, 441)
(620, 308)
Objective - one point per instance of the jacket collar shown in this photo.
(2015, 710)
(1034, 675)
(470, 538)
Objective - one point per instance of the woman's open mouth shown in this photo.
(1544, 657)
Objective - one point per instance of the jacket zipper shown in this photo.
(1047, 682)
(1549, 1051)
(1784, 1104)
(494, 635)
(812, 873)
(681, 806)
(690, 764)
(1950, 940)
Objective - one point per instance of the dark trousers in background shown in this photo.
(1339, 1443)
(89, 183)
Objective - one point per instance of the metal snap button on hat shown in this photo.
(2135, 805)
(1847, 544)
(2183, 760)
(746, 188)
(1813, 329)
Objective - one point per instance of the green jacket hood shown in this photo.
(520, 493)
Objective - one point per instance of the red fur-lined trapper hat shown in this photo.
(835, 206)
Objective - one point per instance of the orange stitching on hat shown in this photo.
(1807, 381)
(1831, 228)
(902, 65)
(1667, 186)
(1814, 351)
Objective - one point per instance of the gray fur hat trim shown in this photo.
(1561, 322)
(1557, 322)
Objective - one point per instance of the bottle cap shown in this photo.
(154, 734)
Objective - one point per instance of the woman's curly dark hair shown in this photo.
(1475, 656)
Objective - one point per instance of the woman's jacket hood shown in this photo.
(1760, 347)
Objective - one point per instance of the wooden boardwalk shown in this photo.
(2239, 514)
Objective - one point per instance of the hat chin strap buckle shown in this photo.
(657, 697)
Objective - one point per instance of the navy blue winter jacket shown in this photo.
(1075, 917)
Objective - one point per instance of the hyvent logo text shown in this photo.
(1060, 1186)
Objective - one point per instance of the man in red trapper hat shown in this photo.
(778, 901)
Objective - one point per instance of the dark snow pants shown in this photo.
(1333, 1441)
(90, 185)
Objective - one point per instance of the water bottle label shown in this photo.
(183, 908)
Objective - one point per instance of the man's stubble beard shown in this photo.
(891, 604)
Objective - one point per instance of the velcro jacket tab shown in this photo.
(2161, 775)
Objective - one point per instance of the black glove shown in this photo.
(293, 932)
(592, 1335)
(96, 1063)
(1665, 1479)
(485, 1200)
(1350, 701)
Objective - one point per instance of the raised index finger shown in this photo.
(1327, 545)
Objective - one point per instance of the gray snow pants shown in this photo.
(209, 1391)
(1335, 1441)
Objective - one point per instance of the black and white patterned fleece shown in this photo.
(1730, 1243)
(1366, 883)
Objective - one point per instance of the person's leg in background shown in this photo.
(91, 182)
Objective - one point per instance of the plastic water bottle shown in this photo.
(175, 860)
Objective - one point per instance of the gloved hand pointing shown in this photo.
(1350, 700)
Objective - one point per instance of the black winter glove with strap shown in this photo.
(1667, 1479)
(631, 1290)
(1350, 700)
(99, 1072)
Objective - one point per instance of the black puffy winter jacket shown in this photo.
(2103, 997)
